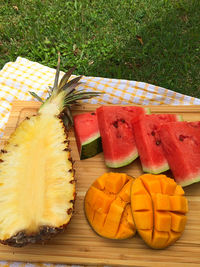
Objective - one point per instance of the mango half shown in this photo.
(159, 209)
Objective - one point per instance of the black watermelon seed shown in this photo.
(158, 142)
(115, 124)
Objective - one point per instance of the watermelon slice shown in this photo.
(117, 135)
(181, 145)
(87, 135)
(148, 141)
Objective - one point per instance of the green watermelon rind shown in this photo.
(189, 181)
(147, 110)
(164, 167)
(122, 163)
(91, 147)
(179, 117)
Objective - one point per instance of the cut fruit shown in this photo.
(107, 206)
(181, 145)
(148, 141)
(87, 135)
(117, 134)
(37, 182)
(159, 209)
(37, 189)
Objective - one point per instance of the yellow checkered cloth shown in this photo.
(21, 76)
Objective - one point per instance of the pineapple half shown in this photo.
(37, 185)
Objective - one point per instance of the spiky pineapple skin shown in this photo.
(44, 232)
(21, 239)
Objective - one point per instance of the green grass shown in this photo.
(100, 38)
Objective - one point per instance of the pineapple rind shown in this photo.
(37, 181)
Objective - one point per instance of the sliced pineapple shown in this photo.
(37, 182)
(37, 188)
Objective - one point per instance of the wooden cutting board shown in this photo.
(79, 244)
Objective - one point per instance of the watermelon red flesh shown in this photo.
(181, 145)
(148, 141)
(117, 135)
(87, 134)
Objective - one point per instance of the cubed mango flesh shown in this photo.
(107, 206)
(159, 209)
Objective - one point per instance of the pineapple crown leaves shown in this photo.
(36, 96)
(66, 89)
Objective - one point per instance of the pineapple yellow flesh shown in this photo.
(36, 186)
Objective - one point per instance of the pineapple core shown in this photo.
(35, 175)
